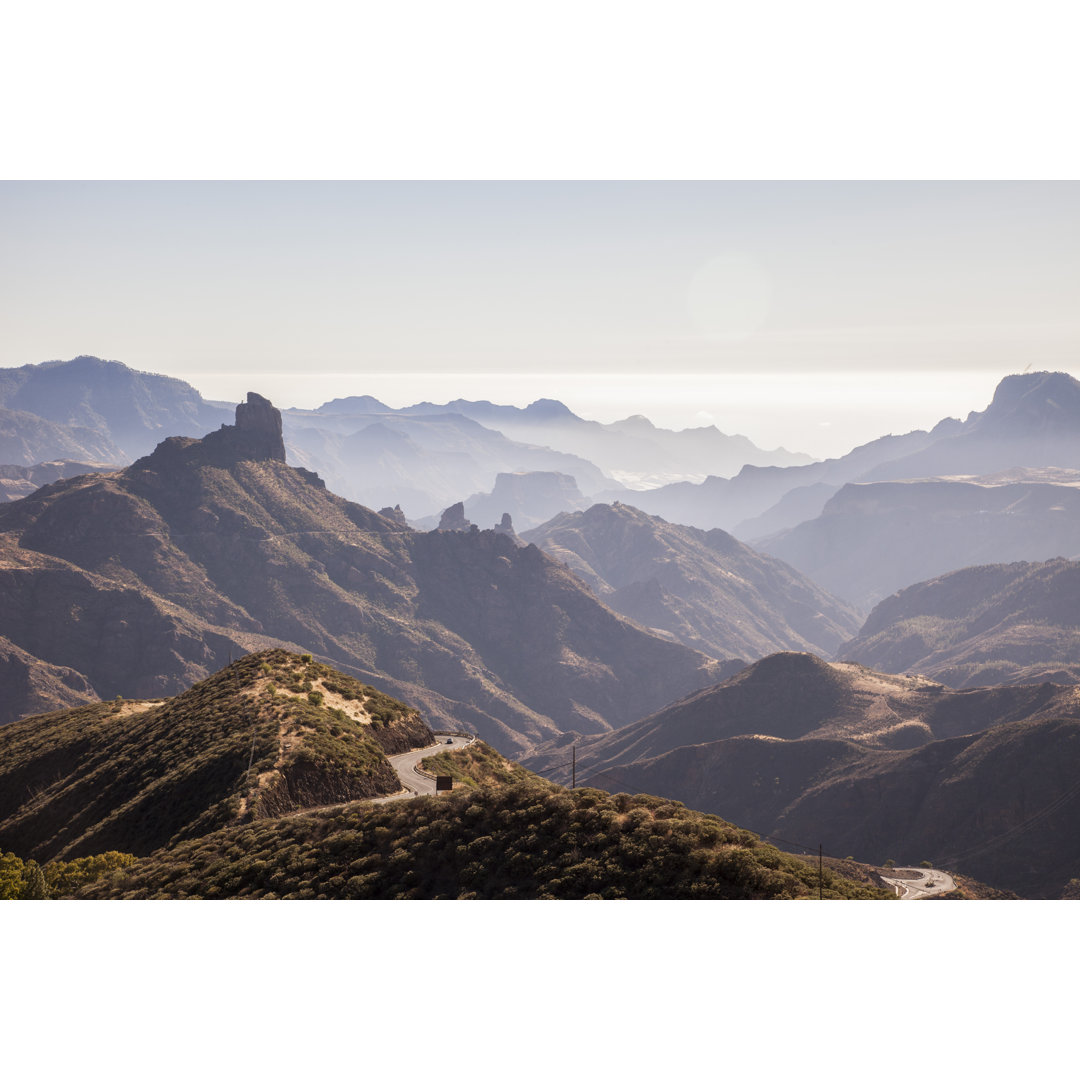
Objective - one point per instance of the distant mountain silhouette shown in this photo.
(132, 409)
(421, 462)
(872, 539)
(1033, 421)
(629, 449)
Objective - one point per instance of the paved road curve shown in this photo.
(412, 781)
(928, 883)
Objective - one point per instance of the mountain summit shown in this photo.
(256, 436)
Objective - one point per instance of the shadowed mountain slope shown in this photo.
(28, 684)
(154, 573)
(1002, 805)
(705, 589)
(872, 765)
(980, 626)
(132, 409)
(271, 734)
(796, 696)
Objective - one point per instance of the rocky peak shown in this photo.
(256, 436)
(1036, 402)
(453, 519)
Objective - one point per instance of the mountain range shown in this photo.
(146, 579)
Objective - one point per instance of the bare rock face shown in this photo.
(256, 436)
(257, 433)
(453, 519)
(394, 513)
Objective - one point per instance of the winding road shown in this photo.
(405, 766)
(924, 883)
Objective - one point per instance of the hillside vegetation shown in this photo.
(522, 840)
(270, 734)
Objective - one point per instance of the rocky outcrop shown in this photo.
(454, 520)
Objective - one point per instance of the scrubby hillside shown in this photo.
(270, 734)
(517, 841)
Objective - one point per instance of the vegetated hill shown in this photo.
(520, 841)
(705, 589)
(131, 409)
(633, 450)
(980, 626)
(26, 439)
(1033, 421)
(797, 696)
(1001, 805)
(421, 463)
(17, 481)
(145, 579)
(872, 539)
(270, 734)
(30, 685)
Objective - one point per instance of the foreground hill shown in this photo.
(872, 539)
(1014, 623)
(520, 841)
(144, 580)
(704, 588)
(272, 733)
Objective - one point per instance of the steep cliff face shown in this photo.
(29, 685)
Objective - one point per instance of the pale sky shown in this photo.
(815, 315)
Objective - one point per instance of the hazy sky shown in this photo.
(816, 314)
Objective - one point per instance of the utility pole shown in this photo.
(573, 775)
(819, 896)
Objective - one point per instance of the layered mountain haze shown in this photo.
(419, 462)
(1033, 421)
(208, 546)
(130, 410)
(633, 451)
(705, 589)
(875, 538)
